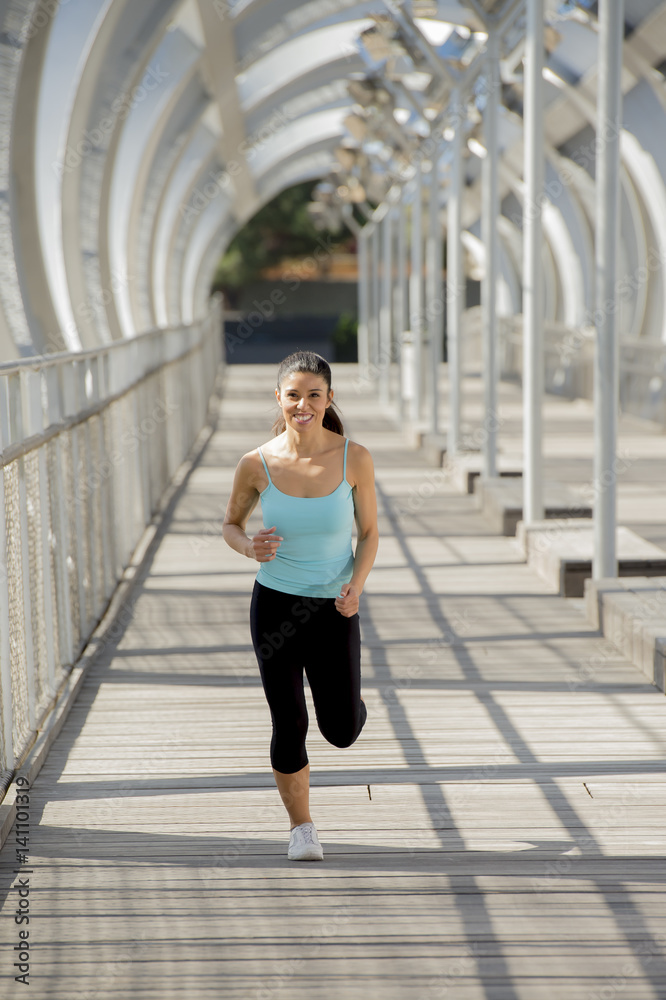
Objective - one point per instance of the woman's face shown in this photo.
(303, 399)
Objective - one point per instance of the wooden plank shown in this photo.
(497, 830)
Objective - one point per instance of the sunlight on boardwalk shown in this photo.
(497, 832)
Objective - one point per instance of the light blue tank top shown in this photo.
(315, 558)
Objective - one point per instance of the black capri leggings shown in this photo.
(289, 634)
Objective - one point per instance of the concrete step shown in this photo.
(501, 501)
(631, 613)
(561, 552)
(465, 469)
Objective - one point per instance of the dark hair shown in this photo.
(309, 363)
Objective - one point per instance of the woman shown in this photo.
(313, 483)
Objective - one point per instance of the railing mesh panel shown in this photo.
(79, 497)
(106, 502)
(51, 513)
(72, 556)
(83, 517)
(37, 623)
(19, 669)
(95, 486)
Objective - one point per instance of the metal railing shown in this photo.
(89, 441)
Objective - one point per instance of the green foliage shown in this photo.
(345, 338)
(281, 229)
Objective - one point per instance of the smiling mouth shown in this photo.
(303, 417)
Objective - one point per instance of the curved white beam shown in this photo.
(161, 151)
(219, 69)
(107, 90)
(578, 185)
(640, 167)
(306, 167)
(140, 139)
(512, 270)
(308, 132)
(14, 329)
(302, 166)
(186, 177)
(135, 81)
(92, 64)
(263, 25)
(295, 59)
(569, 283)
(198, 203)
(650, 186)
(210, 222)
(28, 169)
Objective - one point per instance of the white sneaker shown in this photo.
(304, 844)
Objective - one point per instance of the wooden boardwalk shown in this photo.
(497, 832)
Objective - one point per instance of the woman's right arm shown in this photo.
(244, 498)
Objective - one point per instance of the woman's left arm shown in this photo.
(365, 514)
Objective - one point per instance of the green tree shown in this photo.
(281, 229)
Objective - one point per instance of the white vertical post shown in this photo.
(385, 313)
(435, 305)
(88, 396)
(533, 357)
(401, 322)
(490, 211)
(455, 287)
(416, 294)
(106, 513)
(16, 409)
(56, 412)
(363, 302)
(73, 402)
(7, 760)
(36, 427)
(606, 367)
(375, 256)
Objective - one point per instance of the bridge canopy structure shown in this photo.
(515, 144)
(136, 139)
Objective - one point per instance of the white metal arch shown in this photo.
(189, 104)
(285, 58)
(141, 137)
(192, 171)
(94, 117)
(306, 167)
(640, 176)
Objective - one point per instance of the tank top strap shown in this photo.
(261, 455)
(344, 467)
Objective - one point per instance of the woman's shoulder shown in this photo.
(356, 450)
(252, 469)
(359, 462)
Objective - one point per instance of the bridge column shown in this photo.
(490, 211)
(533, 356)
(435, 305)
(401, 314)
(455, 283)
(606, 367)
(385, 313)
(363, 301)
(416, 295)
(375, 284)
